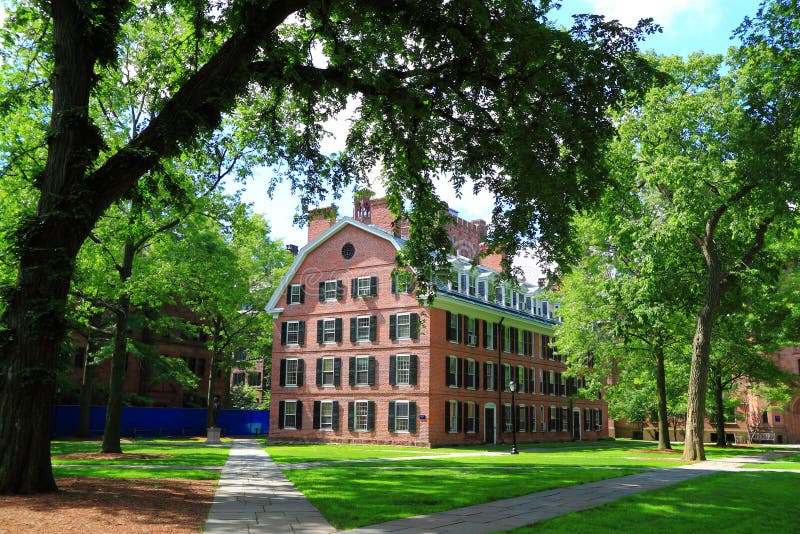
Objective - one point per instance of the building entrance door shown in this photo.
(488, 424)
(576, 425)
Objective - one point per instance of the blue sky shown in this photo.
(688, 26)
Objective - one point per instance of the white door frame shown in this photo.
(494, 423)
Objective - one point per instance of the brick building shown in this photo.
(358, 359)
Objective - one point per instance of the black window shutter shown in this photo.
(339, 290)
(371, 415)
(391, 416)
(465, 423)
(459, 419)
(283, 333)
(371, 370)
(315, 424)
(485, 375)
(414, 325)
(447, 416)
(460, 372)
(300, 371)
(337, 371)
(394, 284)
(413, 365)
(458, 337)
(335, 415)
(485, 333)
(351, 415)
(392, 370)
(449, 334)
(319, 330)
(289, 294)
(354, 287)
(337, 326)
(497, 378)
(412, 417)
(281, 411)
(393, 326)
(352, 370)
(302, 293)
(501, 341)
(301, 334)
(283, 373)
(319, 373)
(465, 327)
(299, 415)
(353, 326)
(531, 380)
(373, 286)
(448, 375)
(322, 291)
(373, 327)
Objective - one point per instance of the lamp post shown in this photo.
(513, 387)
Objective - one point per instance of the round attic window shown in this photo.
(348, 250)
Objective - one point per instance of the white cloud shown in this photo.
(665, 12)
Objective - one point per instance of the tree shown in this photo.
(486, 90)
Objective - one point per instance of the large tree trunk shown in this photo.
(719, 406)
(661, 387)
(119, 360)
(212, 408)
(701, 349)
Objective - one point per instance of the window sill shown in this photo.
(291, 386)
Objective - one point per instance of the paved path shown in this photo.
(254, 496)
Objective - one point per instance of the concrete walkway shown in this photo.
(254, 496)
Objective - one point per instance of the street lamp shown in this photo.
(513, 387)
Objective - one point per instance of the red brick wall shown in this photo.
(320, 220)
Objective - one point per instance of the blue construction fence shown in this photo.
(161, 422)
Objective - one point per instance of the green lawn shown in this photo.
(783, 462)
(354, 496)
(729, 502)
(174, 453)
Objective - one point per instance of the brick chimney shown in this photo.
(375, 211)
(319, 220)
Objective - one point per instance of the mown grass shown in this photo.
(722, 502)
(353, 496)
(186, 453)
(782, 462)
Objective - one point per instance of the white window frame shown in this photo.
(469, 362)
(565, 415)
(364, 328)
(326, 421)
(398, 418)
(454, 415)
(294, 298)
(508, 417)
(363, 286)
(522, 423)
(471, 428)
(361, 416)
(365, 361)
(482, 289)
(328, 376)
(490, 336)
(471, 337)
(329, 330)
(507, 340)
(292, 330)
(286, 414)
(452, 368)
(403, 325)
(533, 418)
(522, 382)
(508, 376)
(331, 289)
(490, 379)
(292, 373)
(402, 367)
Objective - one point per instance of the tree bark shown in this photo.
(719, 408)
(212, 410)
(701, 349)
(85, 398)
(661, 387)
(119, 360)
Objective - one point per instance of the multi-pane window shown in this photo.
(254, 379)
(290, 414)
(522, 379)
(361, 416)
(292, 368)
(489, 378)
(327, 371)
(453, 371)
(470, 417)
(403, 326)
(506, 377)
(329, 330)
(402, 282)
(363, 288)
(522, 418)
(292, 332)
(403, 369)
(362, 370)
(553, 419)
(471, 331)
(401, 416)
(453, 327)
(295, 294)
(507, 339)
(552, 377)
(482, 289)
(326, 415)
(543, 422)
(488, 335)
(533, 418)
(587, 422)
(330, 288)
(599, 419)
(238, 379)
(453, 416)
(362, 328)
(564, 419)
(239, 355)
(472, 374)
(508, 421)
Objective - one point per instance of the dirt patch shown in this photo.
(662, 451)
(108, 456)
(92, 504)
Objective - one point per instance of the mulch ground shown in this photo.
(100, 505)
